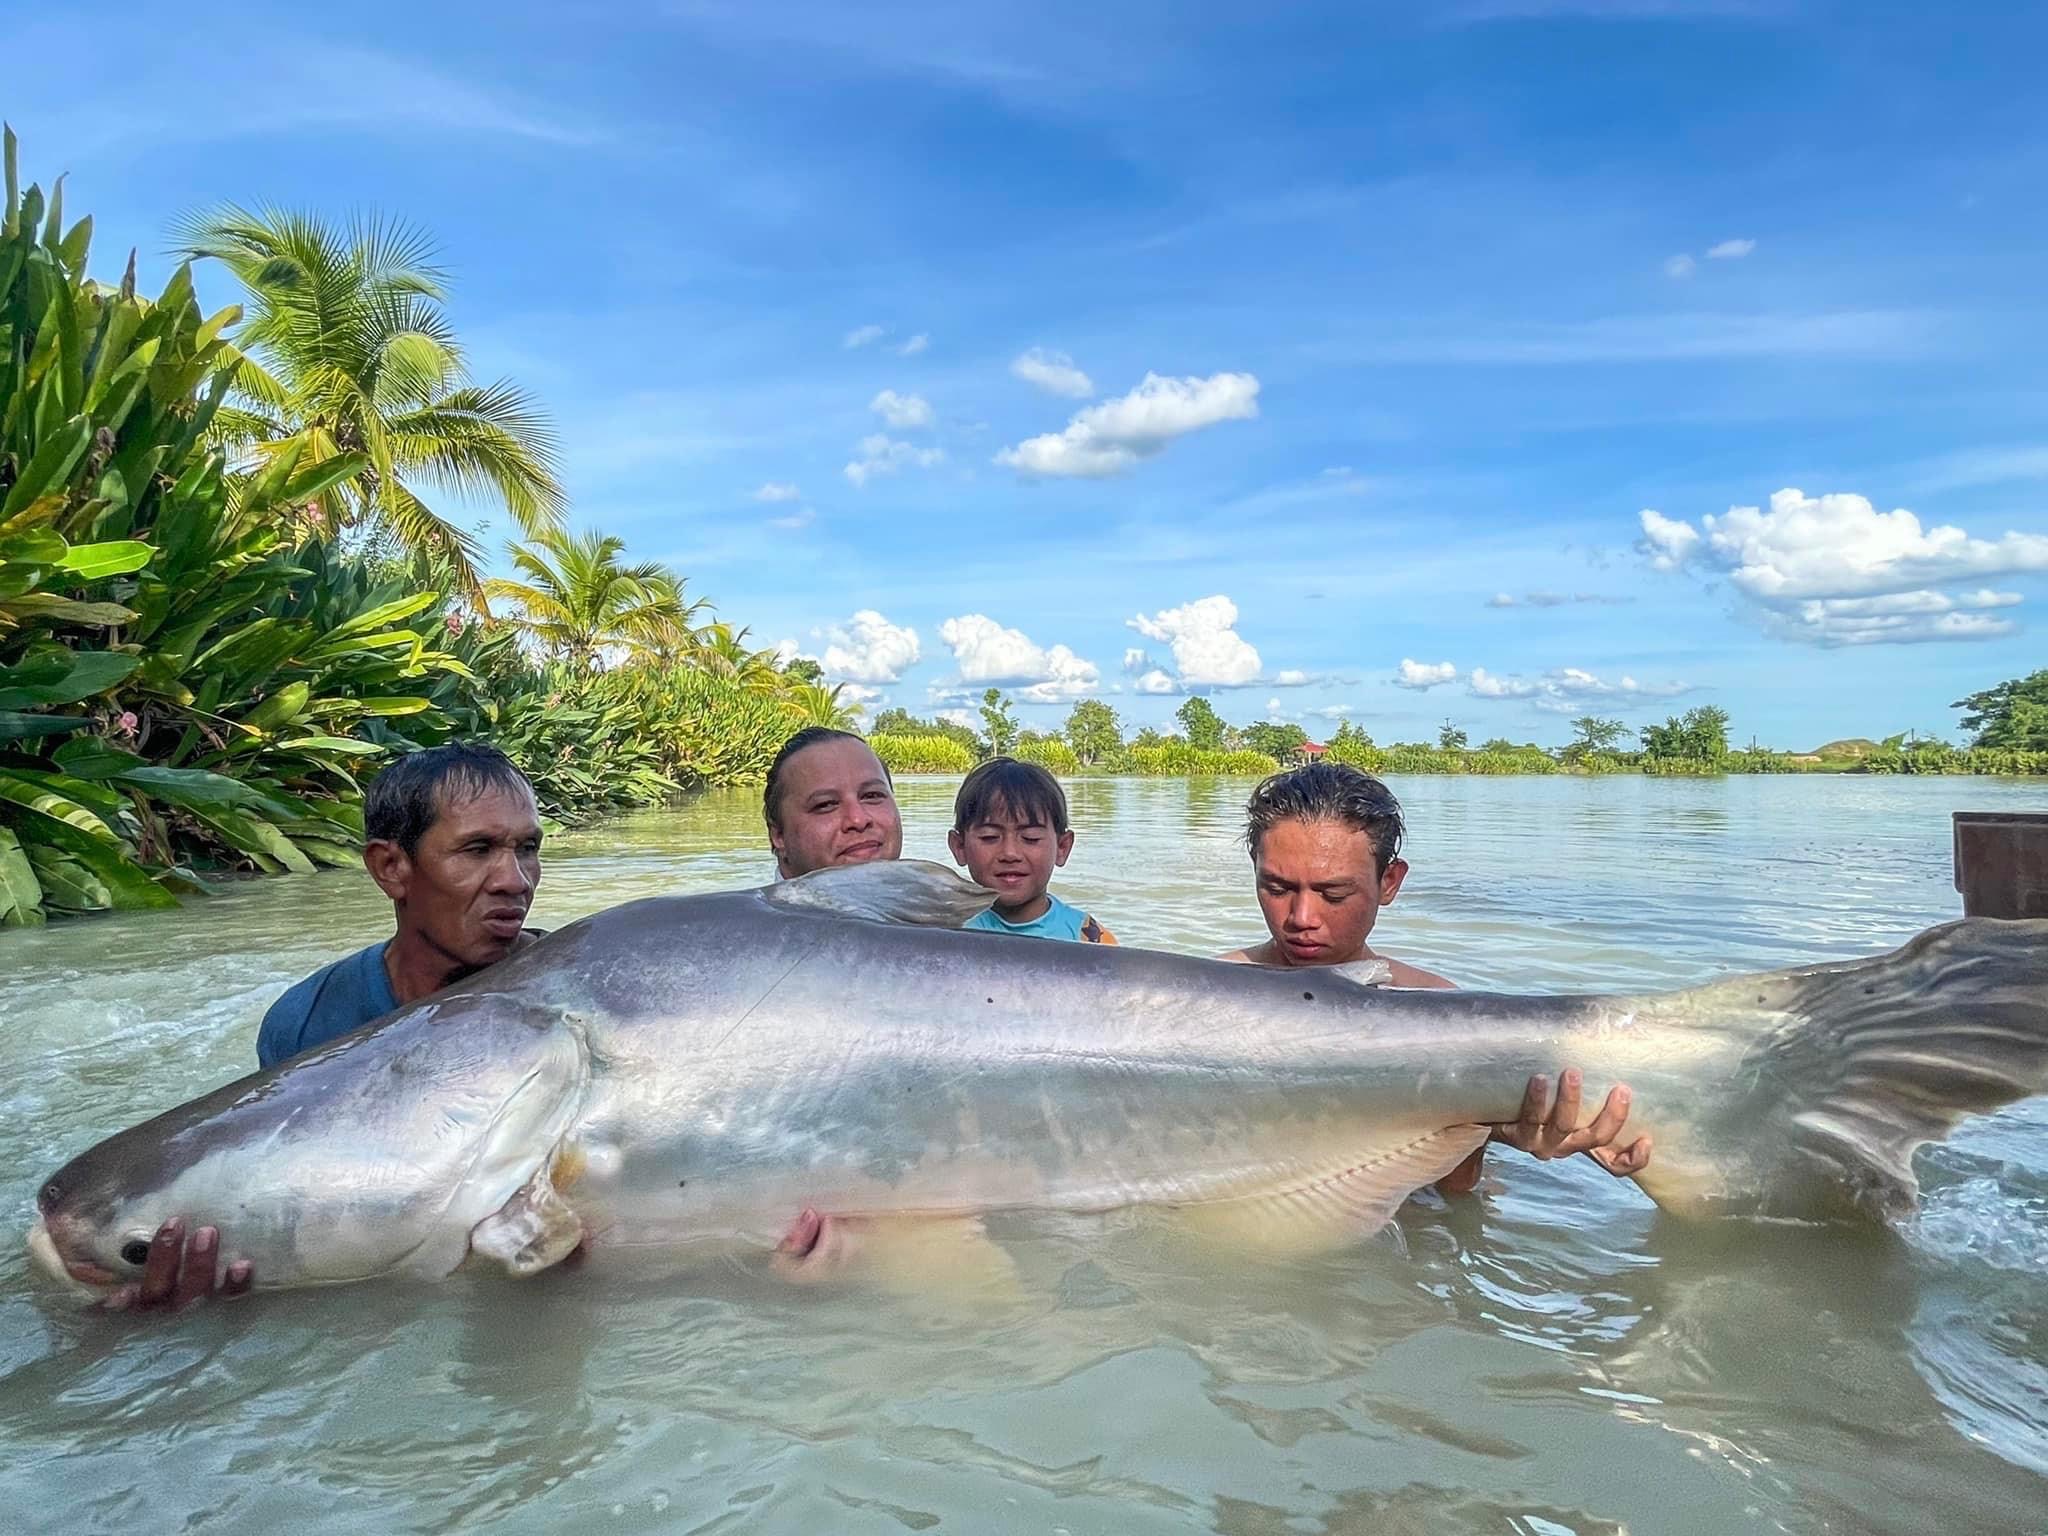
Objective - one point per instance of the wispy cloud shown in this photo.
(1053, 372)
(1676, 337)
(1730, 250)
(1551, 599)
(863, 336)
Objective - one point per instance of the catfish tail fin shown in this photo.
(1864, 1062)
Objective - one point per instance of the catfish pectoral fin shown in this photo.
(536, 1228)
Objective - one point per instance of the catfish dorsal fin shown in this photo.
(912, 891)
(1366, 973)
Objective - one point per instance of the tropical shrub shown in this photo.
(921, 754)
(1050, 753)
(181, 677)
(1176, 759)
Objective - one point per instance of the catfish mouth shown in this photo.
(79, 1275)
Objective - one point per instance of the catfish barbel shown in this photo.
(683, 1075)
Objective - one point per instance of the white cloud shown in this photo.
(1272, 706)
(778, 490)
(1803, 556)
(1157, 681)
(1109, 438)
(915, 345)
(859, 695)
(1484, 685)
(1667, 542)
(902, 412)
(987, 652)
(1136, 661)
(1568, 688)
(1423, 675)
(1730, 250)
(1290, 677)
(1548, 599)
(882, 455)
(864, 335)
(1678, 266)
(1331, 712)
(966, 717)
(1053, 372)
(1208, 652)
(802, 517)
(867, 648)
(787, 650)
(1898, 618)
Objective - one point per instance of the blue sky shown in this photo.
(1319, 358)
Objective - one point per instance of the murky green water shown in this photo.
(1551, 1356)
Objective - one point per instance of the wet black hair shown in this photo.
(1028, 792)
(809, 736)
(1328, 791)
(411, 793)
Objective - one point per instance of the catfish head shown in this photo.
(378, 1154)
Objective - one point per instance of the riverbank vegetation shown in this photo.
(2009, 725)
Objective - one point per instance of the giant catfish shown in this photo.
(680, 1076)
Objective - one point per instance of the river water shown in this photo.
(1549, 1356)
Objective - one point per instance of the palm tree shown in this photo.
(346, 350)
(577, 601)
(723, 651)
(813, 704)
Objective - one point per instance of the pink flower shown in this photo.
(128, 723)
(454, 623)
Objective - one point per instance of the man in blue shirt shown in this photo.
(452, 836)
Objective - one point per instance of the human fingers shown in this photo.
(803, 1234)
(239, 1275)
(1607, 1125)
(1535, 1099)
(1564, 1115)
(1623, 1162)
(195, 1280)
(121, 1299)
(160, 1270)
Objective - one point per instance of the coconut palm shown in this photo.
(346, 350)
(723, 651)
(577, 601)
(814, 704)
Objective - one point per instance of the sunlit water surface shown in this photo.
(1549, 1356)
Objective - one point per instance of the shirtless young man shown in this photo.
(1325, 843)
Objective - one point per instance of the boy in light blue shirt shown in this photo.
(1010, 830)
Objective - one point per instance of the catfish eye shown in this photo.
(135, 1251)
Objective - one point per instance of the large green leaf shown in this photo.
(19, 727)
(48, 605)
(116, 558)
(270, 848)
(52, 462)
(68, 886)
(197, 790)
(126, 882)
(282, 707)
(64, 678)
(21, 894)
(92, 757)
